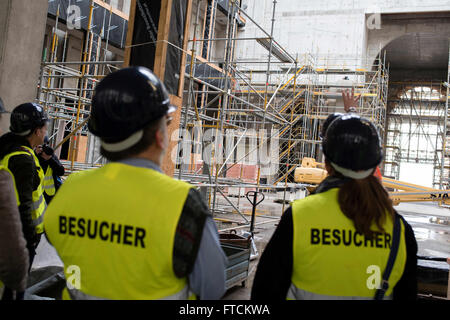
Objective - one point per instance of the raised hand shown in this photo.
(350, 101)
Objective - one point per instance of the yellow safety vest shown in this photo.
(39, 205)
(333, 261)
(114, 229)
(49, 182)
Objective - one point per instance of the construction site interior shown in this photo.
(253, 82)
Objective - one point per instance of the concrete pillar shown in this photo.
(22, 30)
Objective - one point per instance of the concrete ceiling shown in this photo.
(418, 56)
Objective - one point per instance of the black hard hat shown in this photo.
(125, 102)
(352, 143)
(327, 123)
(27, 117)
(2, 107)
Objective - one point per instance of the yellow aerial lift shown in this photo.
(313, 172)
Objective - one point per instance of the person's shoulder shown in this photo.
(195, 203)
(316, 202)
(79, 176)
(405, 223)
(5, 176)
(21, 157)
(195, 195)
(409, 232)
(314, 199)
(168, 180)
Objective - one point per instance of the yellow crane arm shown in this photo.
(313, 172)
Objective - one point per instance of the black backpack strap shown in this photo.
(379, 295)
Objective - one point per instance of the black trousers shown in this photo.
(8, 293)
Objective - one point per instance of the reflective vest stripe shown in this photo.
(49, 182)
(40, 219)
(184, 294)
(295, 293)
(38, 203)
(37, 222)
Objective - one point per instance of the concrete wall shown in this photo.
(327, 27)
(379, 38)
(22, 29)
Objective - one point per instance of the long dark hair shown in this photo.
(365, 201)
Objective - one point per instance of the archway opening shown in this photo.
(416, 129)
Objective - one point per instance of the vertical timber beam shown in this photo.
(163, 37)
(159, 66)
(129, 40)
(168, 165)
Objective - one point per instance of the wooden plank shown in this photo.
(202, 36)
(81, 148)
(211, 25)
(163, 37)
(129, 40)
(185, 47)
(203, 60)
(110, 8)
(168, 164)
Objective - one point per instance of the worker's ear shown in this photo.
(328, 167)
(38, 132)
(160, 136)
(41, 132)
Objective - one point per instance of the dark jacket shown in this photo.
(58, 171)
(273, 275)
(26, 178)
(13, 251)
(54, 163)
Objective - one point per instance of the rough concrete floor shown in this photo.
(268, 213)
(431, 225)
(262, 237)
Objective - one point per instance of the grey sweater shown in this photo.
(13, 252)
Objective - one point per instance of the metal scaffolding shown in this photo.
(240, 111)
(246, 122)
(417, 130)
(65, 90)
